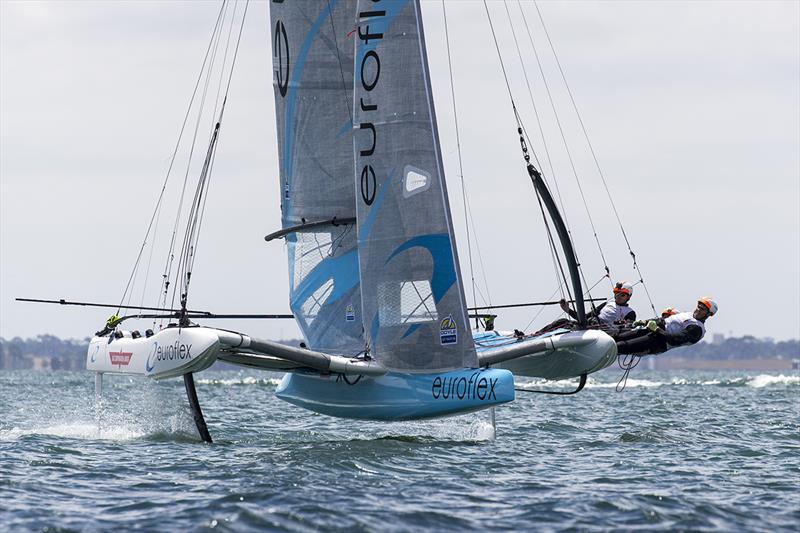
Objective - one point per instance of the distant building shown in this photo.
(717, 338)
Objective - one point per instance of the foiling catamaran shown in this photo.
(375, 281)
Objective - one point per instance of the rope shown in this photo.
(500, 57)
(566, 146)
(525, 139)
(522, 129)
(626, 363)
(171, 256)
(196, 214)
(553, 249)
(594, 156)
(487, 299)
(541, 309)
(538, 122)
(156, 211)
(460, 162)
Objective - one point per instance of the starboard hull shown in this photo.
(570, 353)
(397, 396)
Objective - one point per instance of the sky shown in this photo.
(693, 110)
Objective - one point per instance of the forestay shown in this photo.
(313, 50)
(414, 307)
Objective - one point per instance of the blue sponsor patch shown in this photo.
(448, 332)
(350, 313)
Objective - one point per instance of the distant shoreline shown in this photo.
(682, 363)
(47, 352)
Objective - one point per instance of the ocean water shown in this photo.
(683, 450)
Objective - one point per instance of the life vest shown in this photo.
(611, 312)
(676, 324)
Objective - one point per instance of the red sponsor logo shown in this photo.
(120, 358)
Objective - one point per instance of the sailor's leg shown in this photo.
(648, 344)
(626, 335)
(559, 323)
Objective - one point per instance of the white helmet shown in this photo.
(709, 304)
(623, 287)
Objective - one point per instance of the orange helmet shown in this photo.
(709, 304)
(669, 311)
(623, 287)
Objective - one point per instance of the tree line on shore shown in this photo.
(48, 352)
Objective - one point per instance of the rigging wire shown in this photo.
(156, 211)
(192, 235)
(566, 147)
(188, 254)
(554, 253)
(460, 162)
(214, 132)
(487, 298)
(170, 255)
(521, 128)
(502, 63)
(553, 249)
(594, 155)
(539, 123)
(541, 309)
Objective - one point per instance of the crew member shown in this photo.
(607, 314)
(659, 335)
(111, 323)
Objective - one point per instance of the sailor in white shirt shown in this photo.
(616, 311)
(659, 335)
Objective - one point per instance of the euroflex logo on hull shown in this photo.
(171, 352)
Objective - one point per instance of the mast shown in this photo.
(563, 236)
(561, 228)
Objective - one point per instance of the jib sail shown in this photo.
(414, 309)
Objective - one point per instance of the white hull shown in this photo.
(559, 356)
(169, 353)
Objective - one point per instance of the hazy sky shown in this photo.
(693, 109)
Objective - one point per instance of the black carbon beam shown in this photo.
(561, 228)
(305, 226)
(197, 413)
(566, 242)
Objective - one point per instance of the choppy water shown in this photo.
(678, 451)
